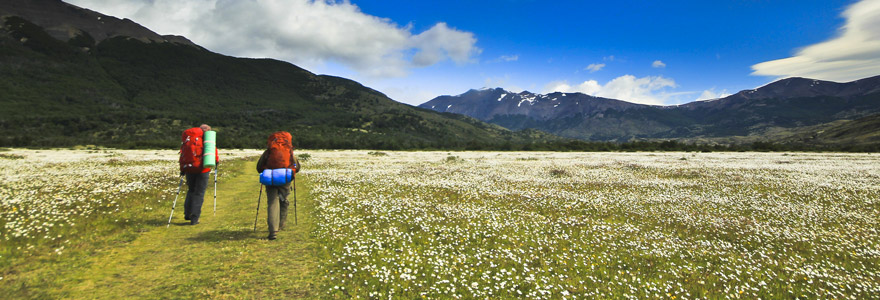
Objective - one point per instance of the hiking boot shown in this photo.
(194, 221)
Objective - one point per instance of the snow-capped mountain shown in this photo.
(785, 104)
(484, 104)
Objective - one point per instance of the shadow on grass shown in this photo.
(164, 223)
(223, 235)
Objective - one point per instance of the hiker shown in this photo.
(278, 155)
(196, 174)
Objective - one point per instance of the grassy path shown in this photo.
(220, 258)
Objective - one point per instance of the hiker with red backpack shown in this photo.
(196, 165)
(278, 157)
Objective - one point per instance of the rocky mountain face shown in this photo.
(487, 103)
(797, 87)
(777, 107)
(72, 76)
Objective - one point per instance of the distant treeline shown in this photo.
(311, 142)
(672, 145)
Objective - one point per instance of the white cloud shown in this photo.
(307, 33)
(505, 58)
(658, 64)
(638, 90)
(645, 90)
(589, 87)
(711, 94)
(594, 67)
(854, 54)
(509, 57)
(441, 42)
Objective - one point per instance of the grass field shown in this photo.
(124, 250)
(451, 225)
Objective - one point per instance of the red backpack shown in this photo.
(280, 146)
(191, 149)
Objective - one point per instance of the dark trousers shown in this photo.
(277, 202)
(195, 195)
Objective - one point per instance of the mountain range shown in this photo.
(72, 76)
(795, 110)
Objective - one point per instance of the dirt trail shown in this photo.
(219, 258)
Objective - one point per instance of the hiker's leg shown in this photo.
(190, 192)
(284, 192)
(199, 185)
(272, 210)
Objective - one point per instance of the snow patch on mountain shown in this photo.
(530, 99)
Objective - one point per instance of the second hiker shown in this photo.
(278, 155)
(197, 175)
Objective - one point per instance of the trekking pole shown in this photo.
(215, 190)
(294, 199)
(175, 201)
(258, 208)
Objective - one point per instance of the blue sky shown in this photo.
(657, 52)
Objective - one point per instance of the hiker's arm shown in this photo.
(180, 159)
(261, 164)
(295, 162)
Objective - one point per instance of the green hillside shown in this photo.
(858, 133)
(123, 92)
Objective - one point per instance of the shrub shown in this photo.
(11, 156)
(558, 173)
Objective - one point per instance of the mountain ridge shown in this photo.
(787, 103)
(85, 78)
(95, 79)
(539, 106)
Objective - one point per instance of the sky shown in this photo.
(651, 52)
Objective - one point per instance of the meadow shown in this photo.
(540, 225)
(598, 225)
(48, 197)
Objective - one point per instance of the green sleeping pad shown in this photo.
(209, 159)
